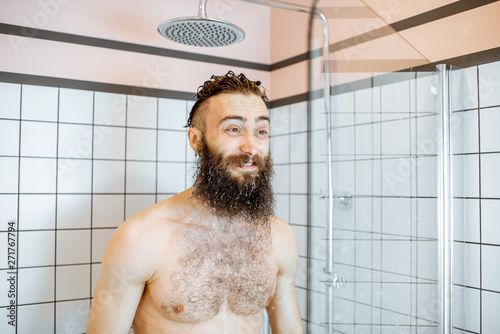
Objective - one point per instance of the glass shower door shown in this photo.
(385, 140)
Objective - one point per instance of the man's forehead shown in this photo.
(239, 107)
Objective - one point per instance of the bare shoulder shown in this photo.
(285, 245)
(137, 243)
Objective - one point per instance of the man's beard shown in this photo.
(247, 196)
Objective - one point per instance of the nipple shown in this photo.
(178, 308)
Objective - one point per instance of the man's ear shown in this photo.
(194, 137)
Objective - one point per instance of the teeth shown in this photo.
(248, 164)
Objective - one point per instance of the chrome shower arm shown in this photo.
(282, 5)
(202, 9)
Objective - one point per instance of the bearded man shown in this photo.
(211, 258)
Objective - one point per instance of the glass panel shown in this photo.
(385, 138)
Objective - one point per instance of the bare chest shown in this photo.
(219, 272)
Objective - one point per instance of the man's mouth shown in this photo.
(249, 166)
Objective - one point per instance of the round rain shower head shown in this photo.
(200, 31)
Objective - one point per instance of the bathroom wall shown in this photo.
(74, 164)
(385, 140)
(385, 242)
(289, 146)
(476, 148)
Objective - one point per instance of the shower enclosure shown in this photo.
(379, 234)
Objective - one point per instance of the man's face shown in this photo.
(234, 169)
(238, 125)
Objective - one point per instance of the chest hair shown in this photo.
(221, 269)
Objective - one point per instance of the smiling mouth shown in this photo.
(249, 166)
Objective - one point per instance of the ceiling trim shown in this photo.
(15, 30)
(40, 80)
(474, 59)
(430, 16)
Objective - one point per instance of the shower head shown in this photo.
(201, 31)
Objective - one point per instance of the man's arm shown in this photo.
(283, 311)
(126, 267)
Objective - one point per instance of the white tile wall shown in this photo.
(10, 100)
(35, 285)
(138, 203)
(141, 144)
(466, 220)
(37, 175)
(466, 265)
(171, 177)
(282, 203)
(108, 210)
(75, 141)
(73, 282)
(75, 179)
(38, 139)
(396, 137)
(298, 179)
(172, 114)
(73, 246)
(72, 316)
(425, 100)
(489, 85)
(466, 175)
(83, 156)
(37, 212)
(490, 178)
(464, 89)
(8, 208)
(490, 136)
(110, 109)
(490, 263)
(74, 211)
(464, 132)
(109, 176)
(9, 133)
(76, 106)
(489, 312)
(36, 248)
(109, 142)
(39, 103)
(142, 111)
(280, 148)
(141, 177)
(36, 319)
(370, 233)
(172, 146)
(490, 226)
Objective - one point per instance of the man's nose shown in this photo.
(249, 145)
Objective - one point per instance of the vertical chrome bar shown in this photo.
(445, 202)
(202, 9)
(326, 95)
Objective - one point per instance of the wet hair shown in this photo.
(224, 84)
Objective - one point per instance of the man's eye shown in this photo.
(233, 130)
(263, 132)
